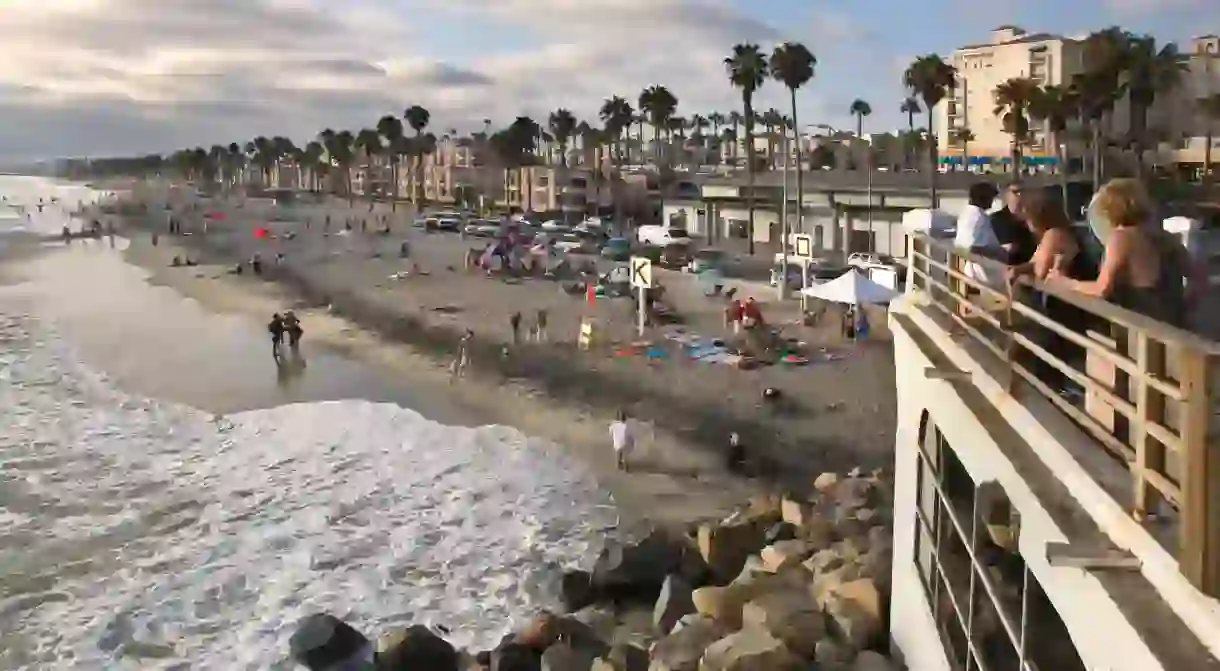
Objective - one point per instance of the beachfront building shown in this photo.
(1010, 52)
(445, 174)
(1038, 528)
(1052, 60)
(544, 188)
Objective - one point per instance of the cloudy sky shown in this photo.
(106, 77)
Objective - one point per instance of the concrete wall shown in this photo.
(1102, 636)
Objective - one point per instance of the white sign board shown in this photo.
(641, 272)
(803, 246)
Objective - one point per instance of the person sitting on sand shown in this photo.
(276, 328)
(623, 441)
(751, 314)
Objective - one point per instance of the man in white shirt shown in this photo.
(623, 440)
(975, 234)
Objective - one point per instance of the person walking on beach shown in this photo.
(462, 361)
(623, 440)
(514, 323)
(276, 328)
(540, 326)
(292, 326)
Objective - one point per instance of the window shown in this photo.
(990, 611)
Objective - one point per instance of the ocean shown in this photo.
(141, 533)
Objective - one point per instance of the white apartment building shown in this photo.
(1049, 60)
(1052, 60)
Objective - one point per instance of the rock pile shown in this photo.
(785, 582)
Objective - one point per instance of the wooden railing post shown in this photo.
(1199, 555)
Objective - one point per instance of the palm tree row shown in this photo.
(1119, 65)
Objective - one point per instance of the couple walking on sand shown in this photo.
(281, 325)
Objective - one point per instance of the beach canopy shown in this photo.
(218, 216)
(261, 233)
(851, 288)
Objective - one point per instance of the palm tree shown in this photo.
(237, 160)
(1150, 71)
(717, 120)
(860, 109)
(344, 152)
(1209, 107)
(910, 107)
(1101, 85)
(1056, 106)
(417, 118)
(616, 114)
(312, 157)
(930, 79)
(964, 136)
(735, 120)
(747, 71)
(1013, 99)
(563, 125)
(368, 140)
(658, 106)
(793, 66)
(264, 157)
(390, 128)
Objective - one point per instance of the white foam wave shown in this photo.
(137, 534)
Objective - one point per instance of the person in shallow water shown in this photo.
(276, 328)
(292, 326)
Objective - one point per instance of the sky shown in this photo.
(124, 77)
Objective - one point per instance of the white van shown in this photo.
(661, 235)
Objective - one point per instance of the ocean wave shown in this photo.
(140, 534)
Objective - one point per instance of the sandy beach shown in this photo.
(837, 412)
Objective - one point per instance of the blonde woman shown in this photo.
(1144, 268)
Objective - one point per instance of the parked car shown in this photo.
(818, 273)
(707, 259)
(863, 260)
(662, 235)
(449, 224)
(575, 243)
(482, 229)
(617, 249)
(675, 256)
(426, 223)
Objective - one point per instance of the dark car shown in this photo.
(675, 257)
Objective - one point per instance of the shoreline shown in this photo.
(556, 392)
(646, 499)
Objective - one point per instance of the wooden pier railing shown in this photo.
(1145, 391)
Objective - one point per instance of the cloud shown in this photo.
(107, 76)
(1130, 8)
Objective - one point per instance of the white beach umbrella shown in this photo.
(851, 288)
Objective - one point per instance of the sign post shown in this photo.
(641, 279)
(804, 250)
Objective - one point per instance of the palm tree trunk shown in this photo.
(749, 122)
(1207, 160)
(800, 192)
(932, 162)
(908, 155)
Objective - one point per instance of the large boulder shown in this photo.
(674, 602)
(785, 555)
(565, 657)
(623, 657)
(416, 647)
(749, 650)
(726, 545)
(724, 604)
(515, 657)
(576, 590)
(323, 641)
(829, 569)
(682, 649)
(826, 481)
(854, 609)
(831, 654)
(636, 571)
(791, 616)
(872, 661)
(782, 531)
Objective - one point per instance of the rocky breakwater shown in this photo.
(786, 583)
